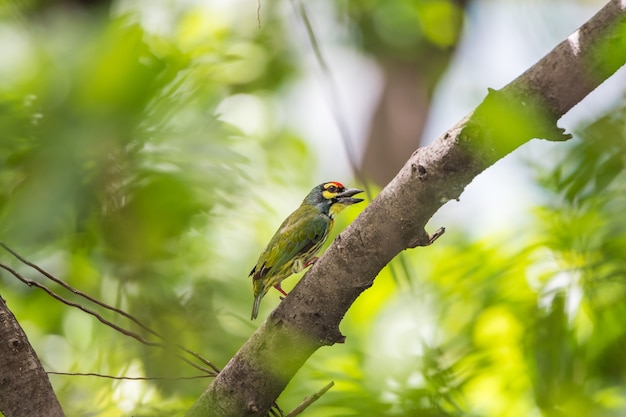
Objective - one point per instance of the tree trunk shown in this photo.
(409, 79)
(399, 120)
(309, 317)
(25, 389)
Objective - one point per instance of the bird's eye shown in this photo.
(332, 188)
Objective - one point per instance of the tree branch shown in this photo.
(309, 317)
(25, 389)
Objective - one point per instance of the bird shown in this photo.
(299, 237)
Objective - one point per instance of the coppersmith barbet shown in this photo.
(299, 237)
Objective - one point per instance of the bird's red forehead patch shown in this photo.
(335, 183)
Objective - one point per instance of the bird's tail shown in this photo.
(255, 306)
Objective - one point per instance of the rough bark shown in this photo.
(25, 389)
(309, 317)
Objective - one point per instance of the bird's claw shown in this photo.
(311, 262)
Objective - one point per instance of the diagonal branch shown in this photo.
(309, 317)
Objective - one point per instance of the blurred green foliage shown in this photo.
(405, 28)
(424, 31)
(119, 175)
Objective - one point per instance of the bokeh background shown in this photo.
(149, 150)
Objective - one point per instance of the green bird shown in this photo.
(299, 237)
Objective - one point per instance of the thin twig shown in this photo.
(76, 291)
(310, 400)
(54, 295)
(129, 378)
(275, 413)
(333, 91)
(104, 305)
(104, 321)
(199, 357)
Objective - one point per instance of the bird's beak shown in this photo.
(346, 197)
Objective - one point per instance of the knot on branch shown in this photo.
(15, 344)
(418, 169)
(253, 407)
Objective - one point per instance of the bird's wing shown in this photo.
(297, 236)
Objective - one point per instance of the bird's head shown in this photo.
(332, 197)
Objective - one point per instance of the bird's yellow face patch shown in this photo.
(331, 189)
